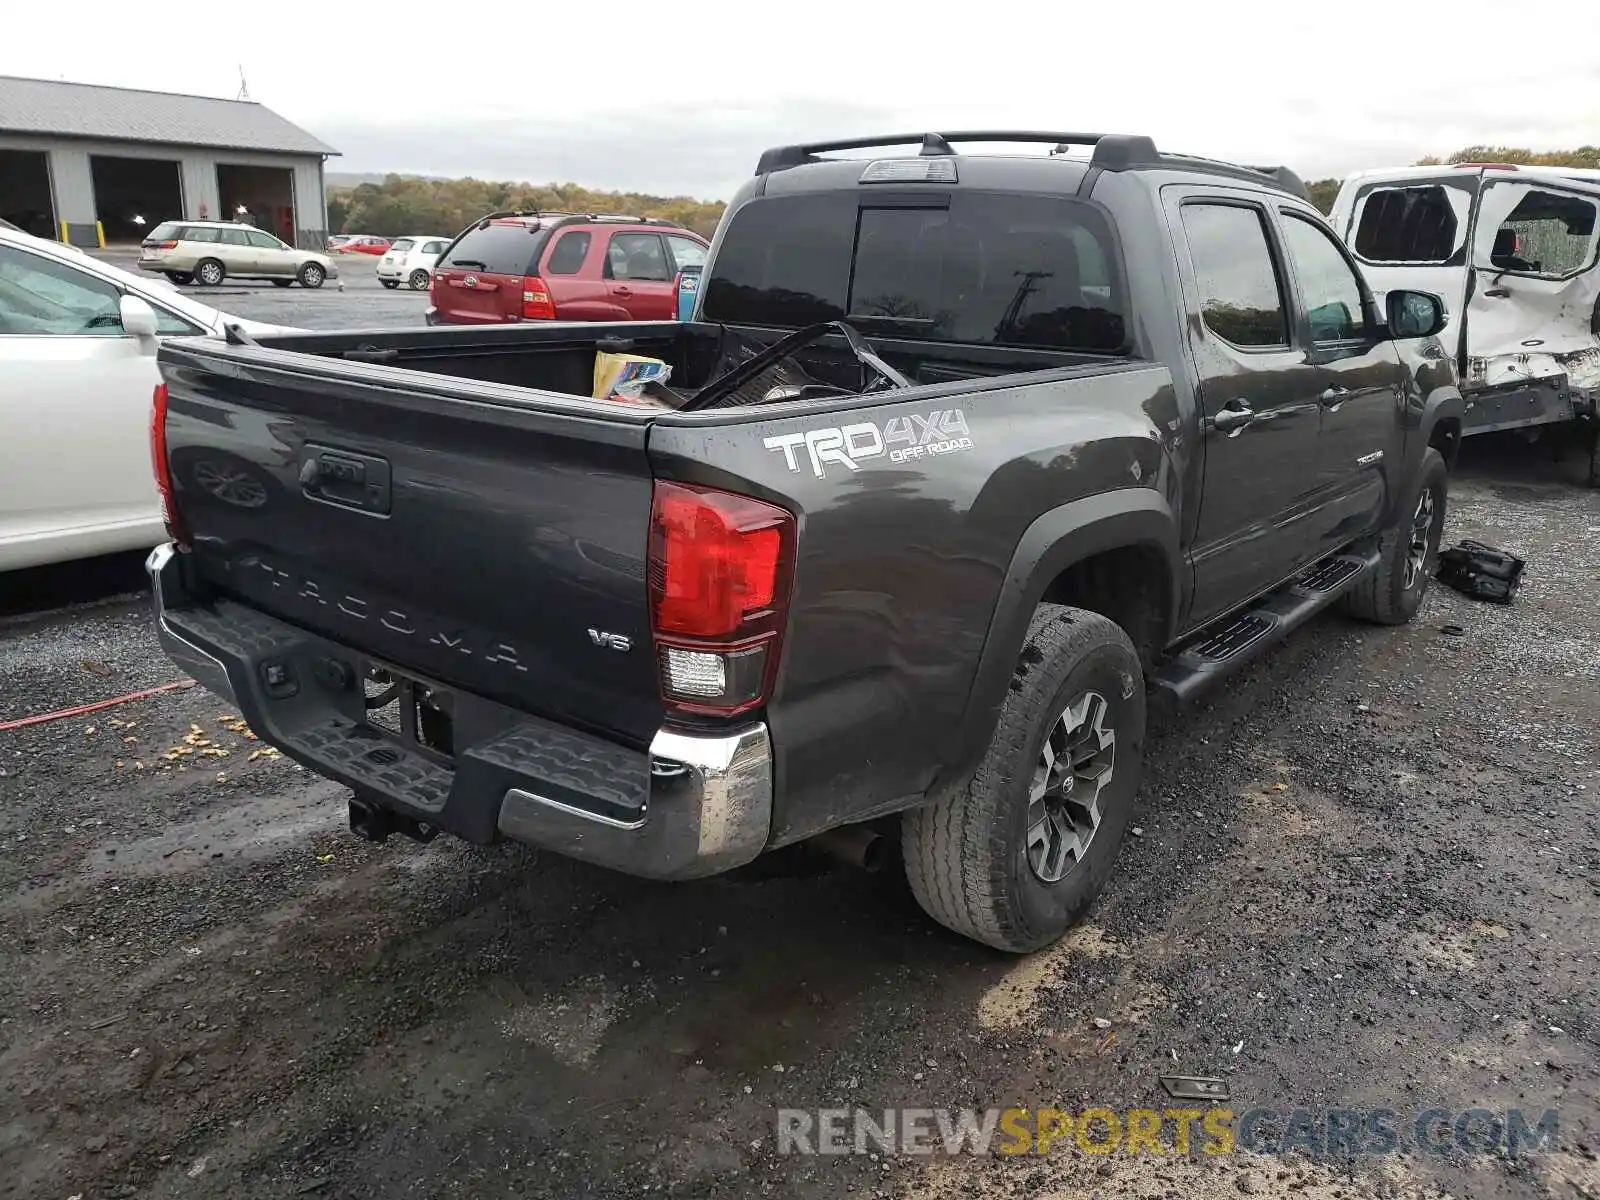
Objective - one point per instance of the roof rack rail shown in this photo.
(495, 216)
(781, 158)
(562, 214)
(1111, 152)
(624, 218)
(1282, 177)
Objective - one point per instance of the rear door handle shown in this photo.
(622, 291)
(1334, 397)
(1233, 417)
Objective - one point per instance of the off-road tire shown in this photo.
(312, 275)
(1381, 596)
(419, 280)
(206, 268)
(966, 857)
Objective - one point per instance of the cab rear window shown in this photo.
(496, 249)
(977, 268)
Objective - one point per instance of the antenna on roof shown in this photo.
(244, 88)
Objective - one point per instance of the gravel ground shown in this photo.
(1367, 876)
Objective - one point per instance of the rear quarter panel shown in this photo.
(904, 552)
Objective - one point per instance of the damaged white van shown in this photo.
(1512, 250)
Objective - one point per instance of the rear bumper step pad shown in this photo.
(692, 805)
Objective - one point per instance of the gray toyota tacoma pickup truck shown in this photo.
(966, 460)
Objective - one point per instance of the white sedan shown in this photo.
(409, 260)
(78, 341)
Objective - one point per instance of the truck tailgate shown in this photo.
(378, 509)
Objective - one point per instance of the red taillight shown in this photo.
(166, 245)
(720, 566)
(536, 302)
(163, 473)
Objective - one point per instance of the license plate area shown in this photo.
(415, 713)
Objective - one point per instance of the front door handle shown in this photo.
(622, 291)
(1333, 397)
(1233, 417)
(1498, 293)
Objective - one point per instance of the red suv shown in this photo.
(562, 266)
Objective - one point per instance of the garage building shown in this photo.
(101, 165)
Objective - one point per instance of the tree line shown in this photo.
(404, 204)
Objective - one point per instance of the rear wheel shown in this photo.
(1014, 858)
(312, 275)
(1409, 550)
(209, 272)
(391, 284)
(418, 280)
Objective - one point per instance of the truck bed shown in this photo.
(559, 357)
(453, 506)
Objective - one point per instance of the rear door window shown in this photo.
(984, 268)
(1241, 298)
(232, 237)
(496, 249)
(566, 258)
(637, 256)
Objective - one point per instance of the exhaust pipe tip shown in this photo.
(856, 846)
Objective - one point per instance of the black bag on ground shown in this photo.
(1480, 571)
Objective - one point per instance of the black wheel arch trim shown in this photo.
(1071, 533)
(1443, 403)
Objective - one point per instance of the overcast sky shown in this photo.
(676, 99)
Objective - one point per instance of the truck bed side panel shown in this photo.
(903, 551)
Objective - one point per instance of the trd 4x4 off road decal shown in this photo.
(902, 439)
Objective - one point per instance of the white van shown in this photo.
(1513, 252)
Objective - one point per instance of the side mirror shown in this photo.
(138, 318)
(1415, 314)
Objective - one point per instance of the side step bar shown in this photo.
(1223, 649)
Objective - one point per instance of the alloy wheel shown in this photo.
(1076, 764)
(1421, 535)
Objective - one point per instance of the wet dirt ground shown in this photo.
(1366, 876)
